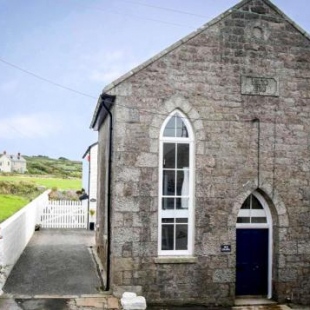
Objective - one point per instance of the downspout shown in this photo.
(103, 98)
(257, 120)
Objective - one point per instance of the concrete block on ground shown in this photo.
(130, 301)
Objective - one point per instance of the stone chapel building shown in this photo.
(204, 165)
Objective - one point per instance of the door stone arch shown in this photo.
(276, 205)
(278, 226)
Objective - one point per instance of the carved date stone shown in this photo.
(262, 86)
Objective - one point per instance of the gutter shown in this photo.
(106, 101)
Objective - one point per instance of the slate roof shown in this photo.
(14, 158)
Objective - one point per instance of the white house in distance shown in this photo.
(90, 181)
(12, 163)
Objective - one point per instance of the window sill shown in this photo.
(176, 260)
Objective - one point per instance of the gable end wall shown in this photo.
(203, 78)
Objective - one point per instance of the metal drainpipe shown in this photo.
(107, 288)
(257, 120)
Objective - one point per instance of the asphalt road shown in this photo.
(56, 262)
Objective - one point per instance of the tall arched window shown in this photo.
(176, 177)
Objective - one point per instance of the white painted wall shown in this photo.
(5, 163)
(90, 176)
(93, 172)
(15, 234)
(19, 164)
(85, 174)
(93, 179)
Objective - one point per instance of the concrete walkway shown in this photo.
(56, 262)
(81, 303)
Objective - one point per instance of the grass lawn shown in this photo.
(17, 190)
(10, 204)
(61, 184)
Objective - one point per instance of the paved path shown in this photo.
(55, 262)
(106, 302)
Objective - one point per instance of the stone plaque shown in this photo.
(262, 86)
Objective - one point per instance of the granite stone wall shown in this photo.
(244, 84)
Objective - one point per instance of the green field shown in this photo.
(61, 167)
(9, 205)
(17, 190)
(49, 183)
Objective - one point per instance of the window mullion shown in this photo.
(175, 126)
(174, 235)
(175, 176)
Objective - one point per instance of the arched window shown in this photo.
(252, 211)
(176, 177)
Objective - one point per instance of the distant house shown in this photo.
(13, 163)
(90, 180)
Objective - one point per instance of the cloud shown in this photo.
(31, 126)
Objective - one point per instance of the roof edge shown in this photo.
(89, 148)
(173, 46)
(95, 115)
(288, 19)
(193, 34)
(104, 104)
(161, 54)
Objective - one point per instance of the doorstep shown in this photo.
(252, 301)
(258, 304)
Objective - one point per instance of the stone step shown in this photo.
(262, 307)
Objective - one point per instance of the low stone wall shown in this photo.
(15, 234)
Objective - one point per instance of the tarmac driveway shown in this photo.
(56, 262)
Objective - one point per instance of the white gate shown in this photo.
(63, 214)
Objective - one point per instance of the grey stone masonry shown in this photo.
(243, 81)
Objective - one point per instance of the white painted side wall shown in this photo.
(17, 230)
(19, 166)
(93, 180)
(5, 165)
(93, 172)
(85, 165)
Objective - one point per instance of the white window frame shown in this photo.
(189, 213)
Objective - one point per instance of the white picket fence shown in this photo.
(63, 214)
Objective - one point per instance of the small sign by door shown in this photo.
(225, 248)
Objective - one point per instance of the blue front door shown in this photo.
(252, 262)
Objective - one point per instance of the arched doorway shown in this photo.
(254, 248)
